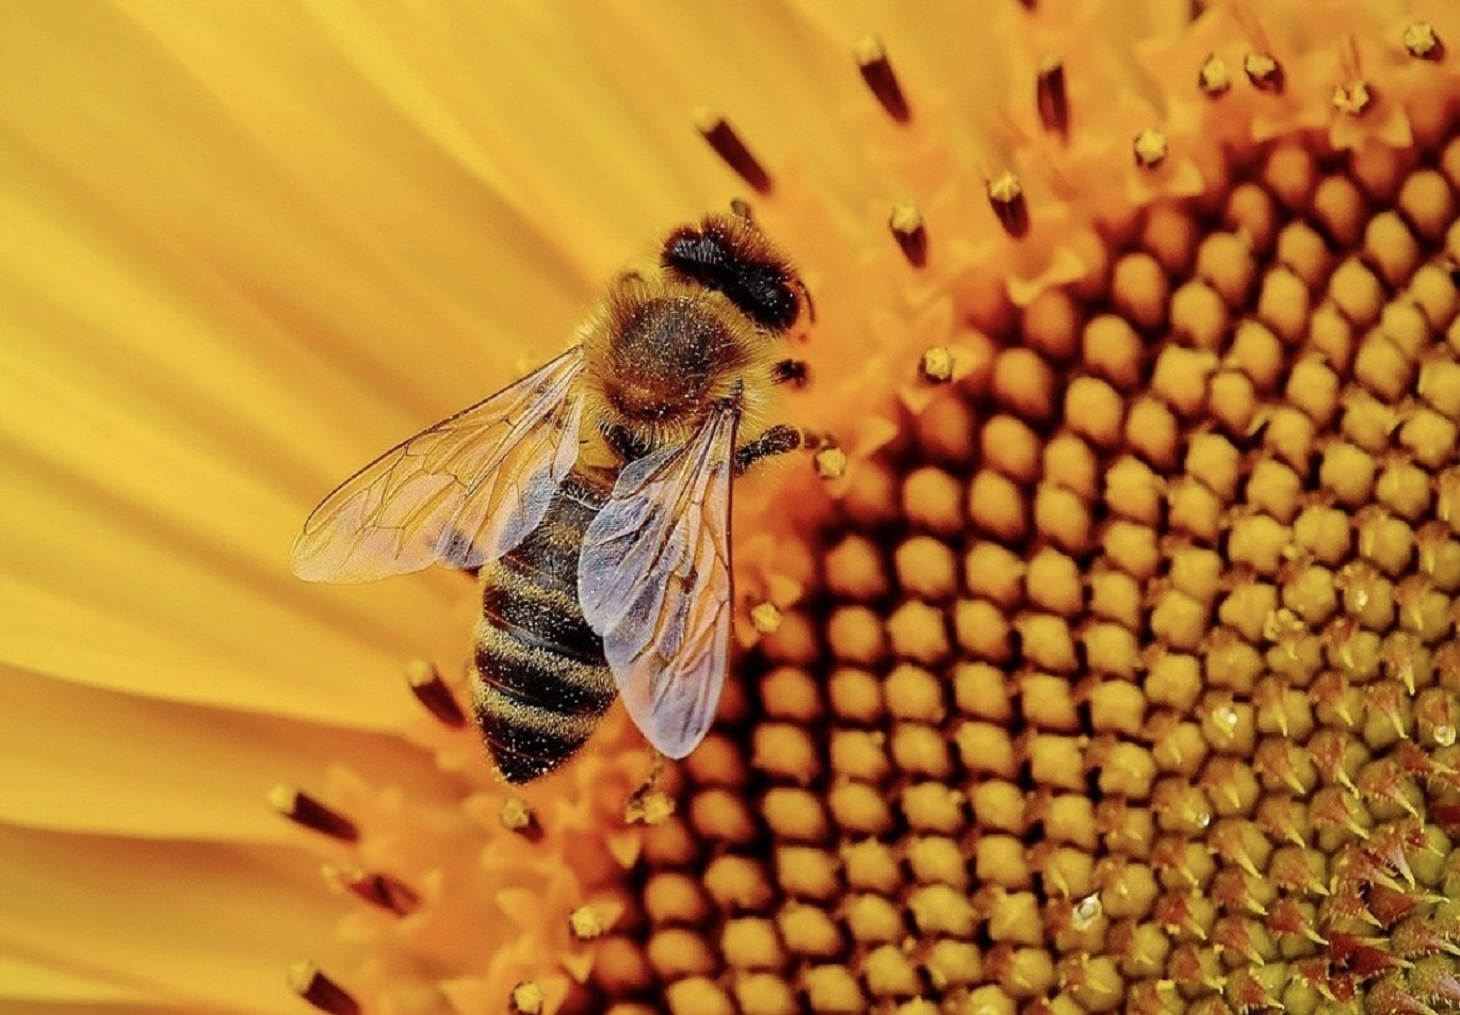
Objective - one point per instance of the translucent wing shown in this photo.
(654, 581)
(461, 493)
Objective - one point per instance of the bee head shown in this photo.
(729, 255)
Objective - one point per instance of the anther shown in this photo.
(906, 223)
(727, 144)
(1265, 73)
(319, 990)
(649, 807)
(1352, 99)
(302, 809)
(648, 803)
(830, 462)
(1006, 196)
(1214, 78)
(1051, 97)
(877, 72)
(1422, 42)
(936, 365)
(516, 816)
(381, 890)
(527, 998)
(431, 691)
(765, 617)
(586, 923)
(1150, 148)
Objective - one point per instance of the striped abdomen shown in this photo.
(542, 683)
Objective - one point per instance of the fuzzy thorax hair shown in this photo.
(660, 355)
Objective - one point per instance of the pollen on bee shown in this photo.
(317, 989)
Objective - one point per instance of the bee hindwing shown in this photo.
(654, 580)
(461, 493)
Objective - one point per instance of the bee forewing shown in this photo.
(461, 493)
(654, 581)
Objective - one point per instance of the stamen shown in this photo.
(881, 79)
(936, 366)
(517, 816)
(650, 807)
(302, 809)
(527, 998)
(586, 923)
(1422, 42)
(830, 462)
(1150, 148)
(648, 803)
(1006, 196)
(907, 227)
(319, 990)
(1051, 97)
(727, 144)
(381, 890)
(765, 618)
(431, 691)
(1265, 73)
(1352, 99)
(1214, 78)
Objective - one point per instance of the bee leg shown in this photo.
(625, 444)
(776, 441)
(791, 371)
(810, 304)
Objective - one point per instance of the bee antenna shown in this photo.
(810, 303)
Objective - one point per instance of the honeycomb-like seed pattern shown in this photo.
(1129, 683)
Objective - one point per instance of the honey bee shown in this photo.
(594, 497)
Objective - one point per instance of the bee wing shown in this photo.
(654, 581)
(461, 493)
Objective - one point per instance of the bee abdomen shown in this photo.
(535, 706)
(542, 683)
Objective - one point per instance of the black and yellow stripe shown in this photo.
(542, 683)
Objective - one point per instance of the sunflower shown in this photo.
(1099, 657)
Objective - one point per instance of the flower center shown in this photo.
(1127, 677)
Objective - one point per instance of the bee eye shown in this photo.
(763, 290)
